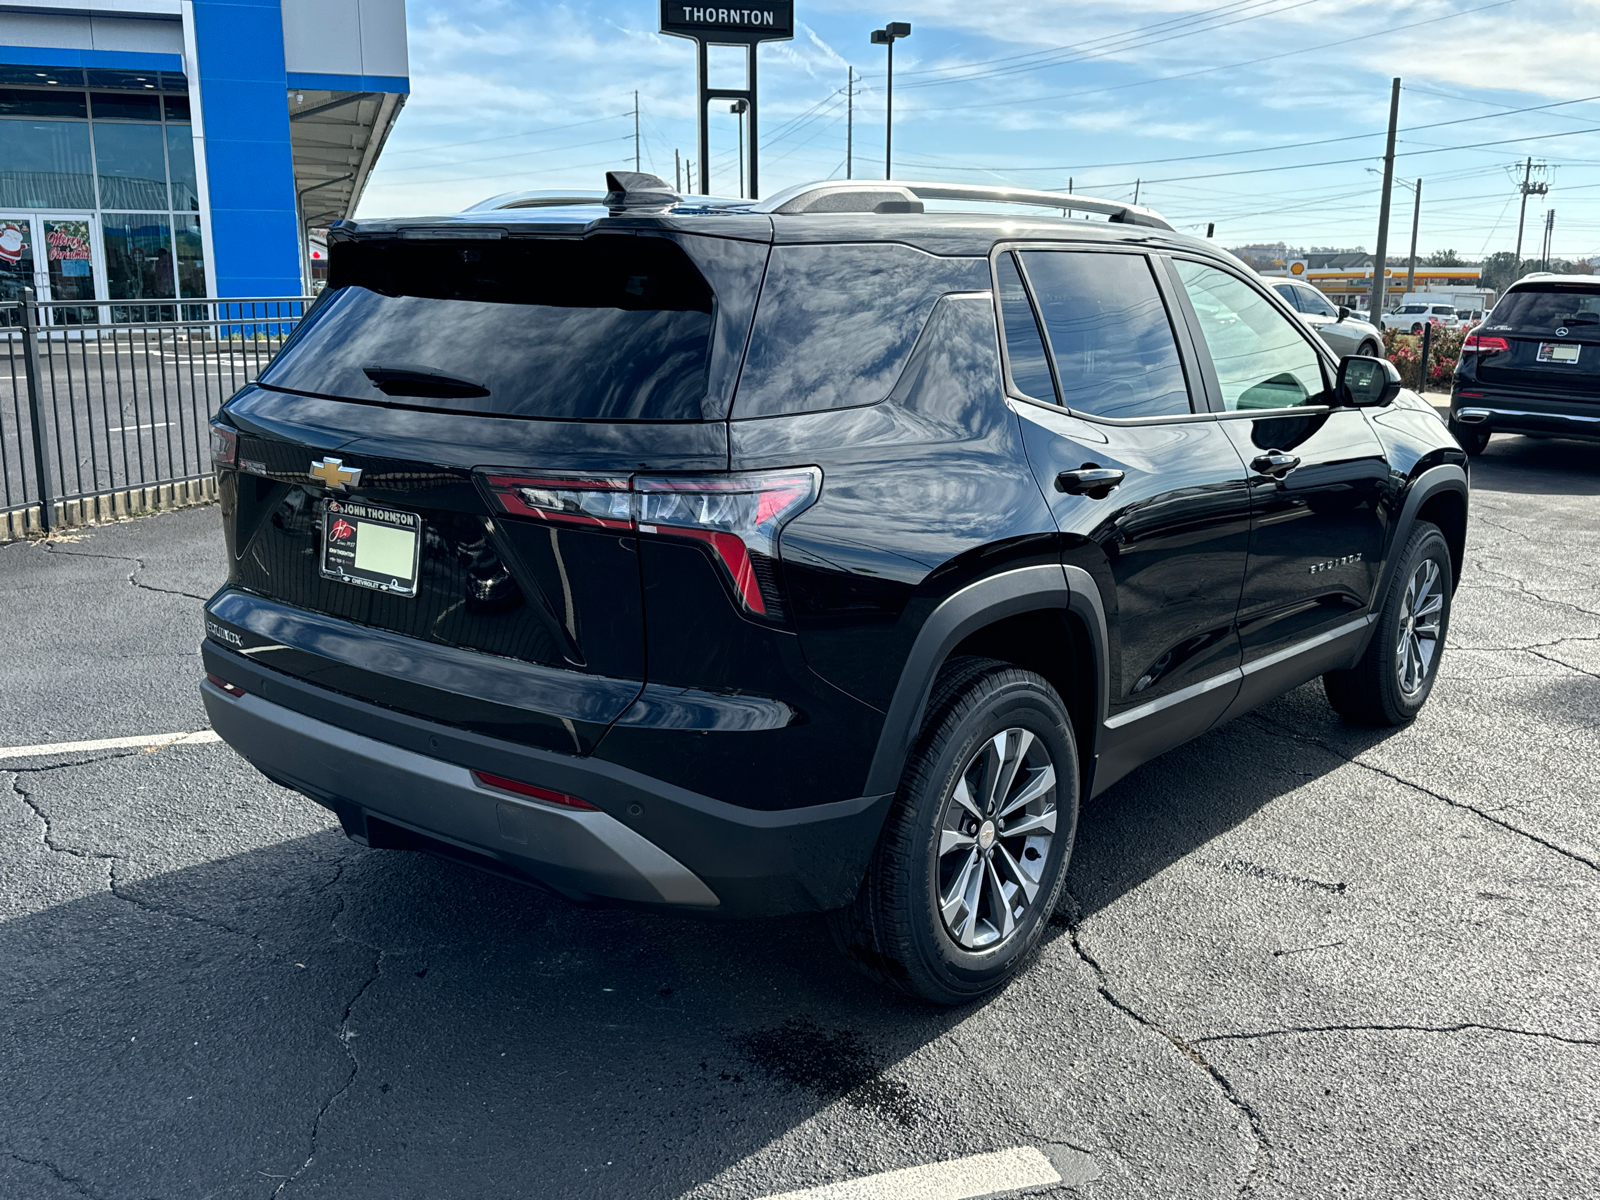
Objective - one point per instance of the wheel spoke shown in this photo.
(1040, 781)
(999, 903)
(1031, 824)
(1007, 758)
(1029, 885)
(963, 796)
(954, 839)
(953, 904)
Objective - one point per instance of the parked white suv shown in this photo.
(1410, 318)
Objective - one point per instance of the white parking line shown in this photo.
(957, 1179)
(154, 741)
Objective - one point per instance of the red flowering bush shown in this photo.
(1405, 352)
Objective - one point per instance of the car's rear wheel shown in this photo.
(1392, 681)
(1416, 329)
(1370, 350)
(1472, 438)
(973, 856)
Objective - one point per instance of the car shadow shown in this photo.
(405, 1022)
(1537, 466)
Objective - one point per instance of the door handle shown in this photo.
(1275, 463)
(1089, 480)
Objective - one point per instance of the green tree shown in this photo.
(1445, 258)
(1499, 270)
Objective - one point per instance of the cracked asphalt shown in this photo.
(1298, 958)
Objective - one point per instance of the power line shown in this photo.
(472, 162)
(500, 137)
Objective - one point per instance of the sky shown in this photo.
(1267, 117)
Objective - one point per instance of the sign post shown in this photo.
(750, 24)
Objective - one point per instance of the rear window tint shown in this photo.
(835, 324)
(1547, 308)
(609, 328)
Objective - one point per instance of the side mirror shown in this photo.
(1366, 382)
(1343, 312)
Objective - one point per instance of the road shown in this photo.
(1300, 959)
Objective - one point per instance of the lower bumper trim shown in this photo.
(578, 852)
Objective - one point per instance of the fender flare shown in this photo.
(1025, 589)
(1446, 477)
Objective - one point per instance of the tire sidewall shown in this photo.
(1425, 543)
(1015, 704)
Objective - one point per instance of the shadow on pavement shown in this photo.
(1537, 466)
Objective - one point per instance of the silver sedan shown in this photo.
(1343, 333)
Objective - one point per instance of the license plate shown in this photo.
(1558, 352)
(371, 546)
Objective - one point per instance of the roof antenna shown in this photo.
(638, 189)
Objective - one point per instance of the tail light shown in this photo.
(1476, 343)
(224, 446)
(517, 788)
(736, 515)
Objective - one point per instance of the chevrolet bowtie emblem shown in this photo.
(333, 473)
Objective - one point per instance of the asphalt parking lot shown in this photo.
(1300, 959)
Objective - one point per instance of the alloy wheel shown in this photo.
(995, 833)
(1421, 619)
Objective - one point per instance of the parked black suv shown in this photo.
(820, 553)
(1533, 366)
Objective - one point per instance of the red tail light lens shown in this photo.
(738, 515)
(224, 446)
(1476, 343)
(518, 788)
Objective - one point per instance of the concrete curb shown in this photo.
(107, 507)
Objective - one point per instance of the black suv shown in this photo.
(1533, 366)
(820, 553)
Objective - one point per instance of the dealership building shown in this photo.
(158, 150)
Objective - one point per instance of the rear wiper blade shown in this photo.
(421, 381)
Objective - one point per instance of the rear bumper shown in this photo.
(1502, 412)
(650, 842)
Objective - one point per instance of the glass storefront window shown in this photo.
(180, 161)
(131, 161)
(16, 265)
(45, 164)
(68, 255)
(30, 102)
(139, 263)
(191, 257)
(125, 106)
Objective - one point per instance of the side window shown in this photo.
(1030, 370)
(1263, 360)
(836, 323)
(1314, 303)
(1108, 328)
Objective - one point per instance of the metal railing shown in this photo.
(100, 420)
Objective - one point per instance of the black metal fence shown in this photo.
(103, 420)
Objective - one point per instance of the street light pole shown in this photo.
(1416, 217)
(887, 36)
(739, 108)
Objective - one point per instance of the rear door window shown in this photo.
(836, 323)
(1109, 333)
(1262, 359)
(1025, 354)
(606, 328)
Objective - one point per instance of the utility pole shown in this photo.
(886, 37)
(850, 126)
(1529, 188)
(1416, 217)
(677, 171)
(1549, 237)
(636, 166)
(1380, 260)
(1136, 184)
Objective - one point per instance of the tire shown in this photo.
(1416, 330)
(942, 926)
(1370, 350)
(1391, 683)
(1473, 439)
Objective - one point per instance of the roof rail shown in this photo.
(895, 196)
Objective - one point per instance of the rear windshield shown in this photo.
(606, 328)
(1550, 307)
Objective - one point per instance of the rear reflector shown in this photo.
(217, 681)
(533, 791)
